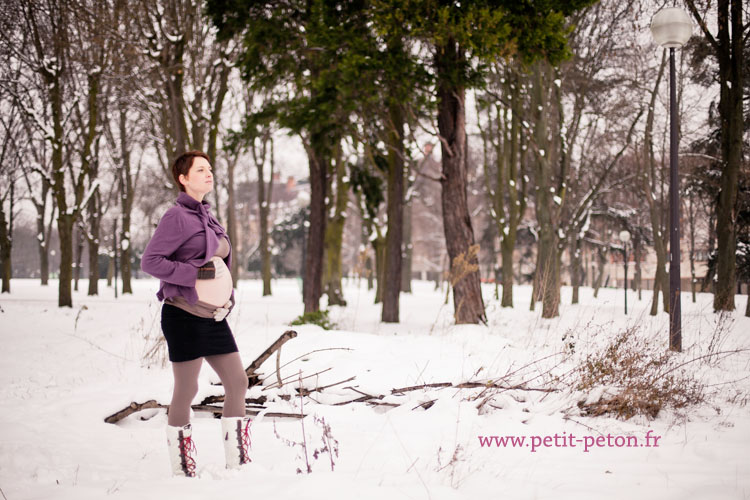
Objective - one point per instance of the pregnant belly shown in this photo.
(216, 291)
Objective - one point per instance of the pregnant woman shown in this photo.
(190, 253)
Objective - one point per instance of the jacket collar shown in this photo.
(188, 201)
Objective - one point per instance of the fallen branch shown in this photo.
(365, 397)
(423, 386)
(306, 392)
(471, 385)
(250, 370)
(206, 408)
(132, 408)
(209, 400)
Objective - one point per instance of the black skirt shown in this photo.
(191, 337)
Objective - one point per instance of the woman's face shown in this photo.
(199, 179)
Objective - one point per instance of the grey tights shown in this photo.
(232, 374)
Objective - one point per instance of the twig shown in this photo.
(97, 347)
(423, 386)
(80, 311)
(278, 370)
(566, 417)
(320, 389)
(302, 422)
(273, 386)
(472, 385)
(308, 353)
(356, 390)
(709, 355)
(426, 405)
(379, 403)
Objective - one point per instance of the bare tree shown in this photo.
(188, 72)
(48, 95)
(728, 46)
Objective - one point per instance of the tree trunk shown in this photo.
(378, 245)
(661, 284)
(649, 182)
(547, 275)
(213, 128)
(265, 251)
(394, 236)
(44, 262)
(575, 268)
(335, 232)
(312, 285)
(265, 193)
(65, 233)
(127, 196)
(78, 238)
(65, 220)
(601, 261)
(370, 273)
(232, 220)
(691, 243)
(506, 250)
(408, 250)
(707, 282)
(459, 234)
(110, 269)
(94, 263)
(730, 56)
(638, 273)
(516, 194)
(6, 242)
(126, 270)
(93, 243)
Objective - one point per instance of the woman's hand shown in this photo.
(207, 271)
(221, 312)
(213, 269)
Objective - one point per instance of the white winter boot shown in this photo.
(236, 434)
(181, 450)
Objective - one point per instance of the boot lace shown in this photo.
(245, 444)
(187, 450)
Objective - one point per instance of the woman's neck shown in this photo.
(196, 196)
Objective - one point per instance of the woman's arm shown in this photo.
(170, 234)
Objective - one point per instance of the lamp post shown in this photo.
(625, 237)
(671, 28)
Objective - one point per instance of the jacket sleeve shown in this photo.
(157, 258)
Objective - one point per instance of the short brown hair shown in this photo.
(182, 165)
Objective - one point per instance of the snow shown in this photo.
(65, 370)
(174, 37)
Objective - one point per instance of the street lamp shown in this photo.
(671, 28)
(625, 237)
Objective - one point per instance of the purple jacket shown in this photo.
(186, 238)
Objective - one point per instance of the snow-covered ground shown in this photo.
(62, 371)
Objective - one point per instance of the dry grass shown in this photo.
(630, 377)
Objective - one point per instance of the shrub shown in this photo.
(319, 318)
(634, 378)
